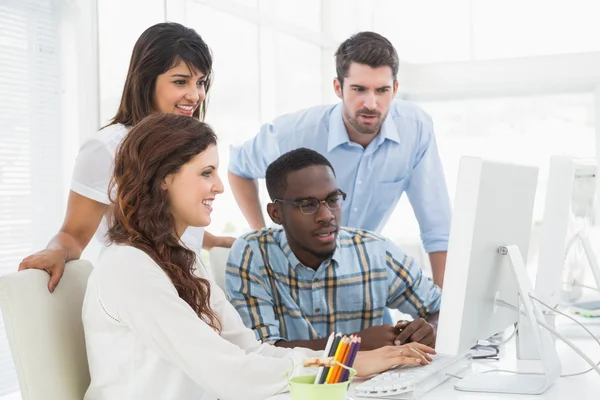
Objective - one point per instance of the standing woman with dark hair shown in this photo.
(169, 72)
(157, 329)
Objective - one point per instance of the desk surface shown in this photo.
(583, 387)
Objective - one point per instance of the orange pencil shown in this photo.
(349, 354)
(343, 349)
(340, 370)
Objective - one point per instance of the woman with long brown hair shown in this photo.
(170, 72)
(155, 327)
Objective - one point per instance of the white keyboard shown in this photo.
(403, 379)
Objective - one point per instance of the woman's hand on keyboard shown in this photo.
(376, 361)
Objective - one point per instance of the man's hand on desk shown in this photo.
(418, 330)
(377, 336)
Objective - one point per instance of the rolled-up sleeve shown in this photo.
(251, 159)
(409, 290)
(250, 293)
(428, 193)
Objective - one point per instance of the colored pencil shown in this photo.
(338, 370)
(351, 358)
(347, 358)
(342, 347)
(332, 351)
(325, 354)
(336, 356)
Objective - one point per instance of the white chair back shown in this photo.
(45, 332)
(218, 264)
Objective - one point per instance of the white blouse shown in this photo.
(93, 171)
(144, 342)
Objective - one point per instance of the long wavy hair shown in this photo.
(141, 216)
(160, 48)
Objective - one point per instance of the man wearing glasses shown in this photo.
(297, 284)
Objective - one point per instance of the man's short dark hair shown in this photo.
(367, 48)
(295, 160)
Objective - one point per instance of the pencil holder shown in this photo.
(304, 388)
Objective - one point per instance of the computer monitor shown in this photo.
(568, 216)
(485, 282)
(565, 252)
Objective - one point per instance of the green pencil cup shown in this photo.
(304, 388)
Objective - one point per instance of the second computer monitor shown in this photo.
(568, 217)
(493, 207)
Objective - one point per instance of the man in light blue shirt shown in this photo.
(380, 147)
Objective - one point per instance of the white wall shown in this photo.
(496, 78)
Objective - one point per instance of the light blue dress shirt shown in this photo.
(403, 157)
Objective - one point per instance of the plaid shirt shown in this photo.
(279, 298)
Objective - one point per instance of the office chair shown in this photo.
(45, 332)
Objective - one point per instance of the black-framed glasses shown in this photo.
(311, 205)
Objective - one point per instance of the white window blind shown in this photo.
(30, 140)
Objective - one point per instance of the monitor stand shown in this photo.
(499, 382)
(525, 339)
(583, 238)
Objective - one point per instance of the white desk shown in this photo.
(583, 387)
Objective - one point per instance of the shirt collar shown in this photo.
(337, 130)
(388, 128)
(339, 135)
(281, 239)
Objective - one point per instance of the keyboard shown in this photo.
(413, 379)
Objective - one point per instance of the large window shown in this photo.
(517, 28)
(428, 31)
(526, 130)
(120, 23)
(31, 189)
(275, 56)
(266, 63)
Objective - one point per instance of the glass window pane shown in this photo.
(298, 74)
(347, 17)
(115, 45)
(234, 43)
(302, 13)
(516, 28)
(422, 36)
(247, 3)
(525, 130)
(233, 109)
